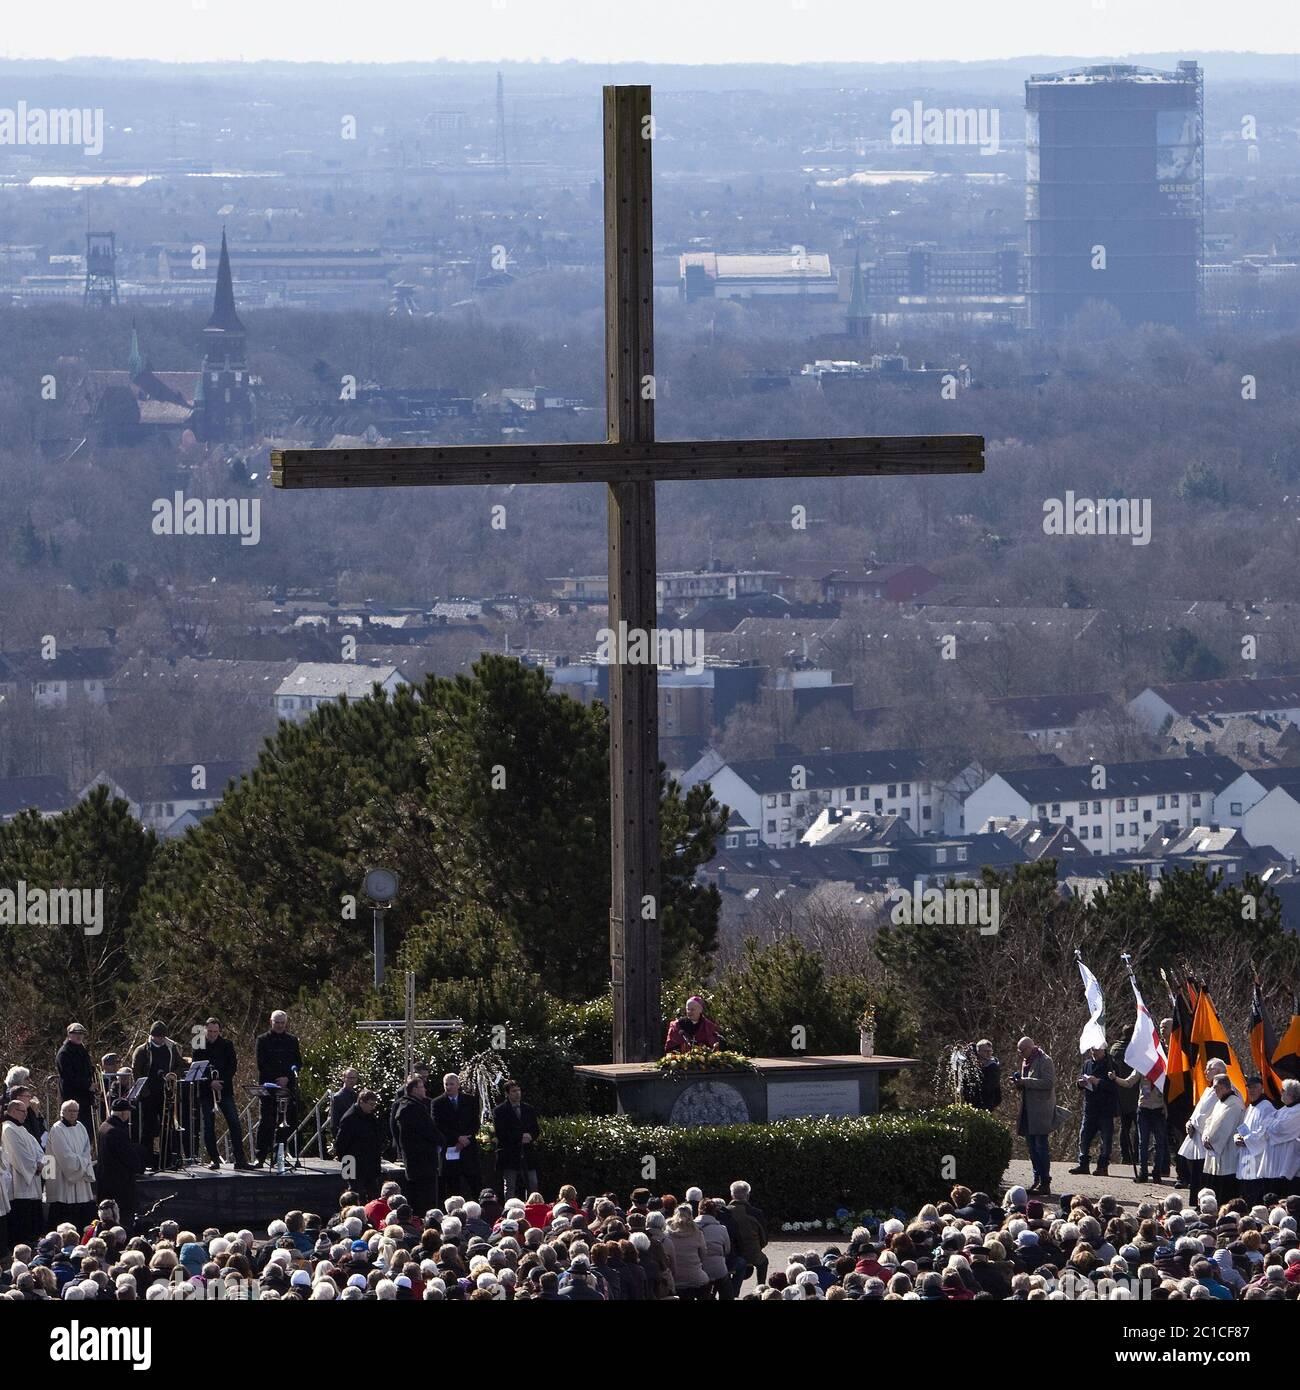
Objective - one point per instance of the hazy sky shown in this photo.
(655, 30)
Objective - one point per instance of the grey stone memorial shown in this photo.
(778, 1088)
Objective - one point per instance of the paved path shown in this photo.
(1118, 1183)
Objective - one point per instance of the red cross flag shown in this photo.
(1145, 1053)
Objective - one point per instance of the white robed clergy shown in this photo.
(23, 1156)
(1192, 1147)
(1270, 1146)
(1220, 1131)
(68, 1145)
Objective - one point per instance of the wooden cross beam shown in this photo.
(630, 462)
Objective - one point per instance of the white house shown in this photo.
(314, 683)
(159, 796)
(781, 797)
(1275, 820)
(67, 676)
(1275, 695)
(1251, 787)
(1112, 808)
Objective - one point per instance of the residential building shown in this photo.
(158, 796)
(69, 676)
(1048, 718)
(1250, 788)
(1275, 820)
(1275, 696)
(314, 683)
(1254, 740)
(783, 796)
(1112, 808)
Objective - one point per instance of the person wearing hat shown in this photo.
(693, 1029)
(76, 1071)
(159, 1060)
(120, 1162)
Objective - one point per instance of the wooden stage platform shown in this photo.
(199, 1197)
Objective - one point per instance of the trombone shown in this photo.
(171, 1121)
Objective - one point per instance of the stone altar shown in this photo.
(778, 1088)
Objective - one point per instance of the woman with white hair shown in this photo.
(71, 1188)
(1192, 1149)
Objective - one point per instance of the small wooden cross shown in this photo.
(630, 462)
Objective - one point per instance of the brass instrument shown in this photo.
(171, 1121)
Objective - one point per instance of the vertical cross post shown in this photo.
(409, 1021)
(634, 932)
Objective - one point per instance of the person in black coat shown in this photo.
(982, 1084)
(517, 1128)
(456, 1118)
(76, 1072)
(421, 1145)
(158, 1059)
(359, 1147)
(217, 1092)
(344, 1098)
(1100, 1102)
(420, 1069)
(120, 1163)
(279, 1059)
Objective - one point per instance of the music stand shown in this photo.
(198, 1072)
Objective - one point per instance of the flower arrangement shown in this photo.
(844, 1222)
(703, 1059)
(867, 1019)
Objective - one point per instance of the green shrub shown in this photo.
(805, 1169)
(542, 1066)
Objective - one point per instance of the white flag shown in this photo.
(1145, 1052)
(1094, 1031)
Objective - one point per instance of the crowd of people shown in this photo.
(653, 1248)
(68, 1228)
(1232, 1144)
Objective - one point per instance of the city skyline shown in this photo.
(672, 31)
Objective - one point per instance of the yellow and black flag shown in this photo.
(1178, 1086)
(1210, 1041)
(1286, 1055)
(1262, 1046)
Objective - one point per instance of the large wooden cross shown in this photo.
(629, 462)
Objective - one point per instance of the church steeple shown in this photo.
(224, 318)
(223, 404)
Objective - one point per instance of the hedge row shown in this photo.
(800, 1170)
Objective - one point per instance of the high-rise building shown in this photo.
(1115, 193)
